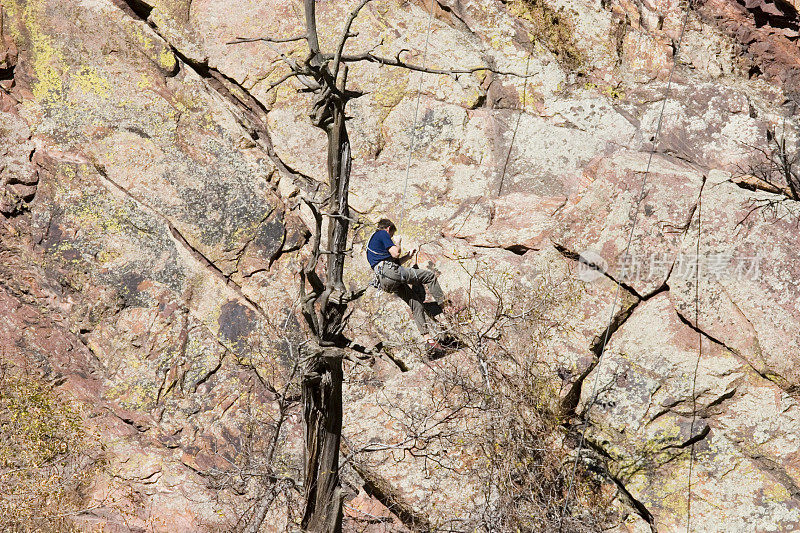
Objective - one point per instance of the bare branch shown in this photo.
(283, 79)
(302, 74)
(299, 72)
(397, 62)
(343, 82)
(310, 268)
(772, 168)
(240, 40)
(311, 27)
(345, 34)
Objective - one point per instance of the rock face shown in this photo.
(152, 187)
(767, 31)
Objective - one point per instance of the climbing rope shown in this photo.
(414, 129)
(510, 146)
(414, 122)
(625, 255)
(699, 355)
(516, 126)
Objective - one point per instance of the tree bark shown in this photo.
(322, 374)
(339, 174)
(322, 414)
(339, 224)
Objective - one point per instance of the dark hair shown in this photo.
(385, 223)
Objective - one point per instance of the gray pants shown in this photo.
(410, 284)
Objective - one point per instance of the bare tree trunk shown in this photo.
(339, 173)
(324, 306)
(322, 375)
(322, 413)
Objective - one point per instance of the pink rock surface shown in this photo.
(153, 246)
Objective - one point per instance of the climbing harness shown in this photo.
(385, 269)
(376, 279)
(636, 209)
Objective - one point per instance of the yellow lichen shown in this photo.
(68, 171)
(136, 393)
(167, 59)
(106, 256)
(153, 47)
(90, 82)
(48, 62)
(143, 82)
(553, 28)
(776, 493)
(608, 90)
(391, 93)
(99, 215)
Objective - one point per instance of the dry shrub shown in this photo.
(554, 29)
(524, 450)
(777, 164)
(528, 472)
(46, 459)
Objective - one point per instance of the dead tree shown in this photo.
(323, 296)
(324, 302)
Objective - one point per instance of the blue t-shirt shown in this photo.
(378, 247)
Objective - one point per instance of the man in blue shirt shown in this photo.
(384, 256)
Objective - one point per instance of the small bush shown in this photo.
(554, 29)
(44, 464)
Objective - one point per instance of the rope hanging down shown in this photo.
(516, 126)
(699, 355)
(414, 128)
(510, 146)
(414, 123)
(625, 255)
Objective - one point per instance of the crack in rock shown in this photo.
(571, 399)
(569, 254)
(252, 113)
(181, 240)
(772, 469)
(705, 432)
(600, 462)
(638, 506)
(767, 377)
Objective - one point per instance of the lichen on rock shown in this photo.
(156, 198)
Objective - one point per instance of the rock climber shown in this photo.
(384, 256)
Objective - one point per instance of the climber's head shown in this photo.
(388, 225)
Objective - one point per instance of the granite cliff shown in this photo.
(153, 181)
